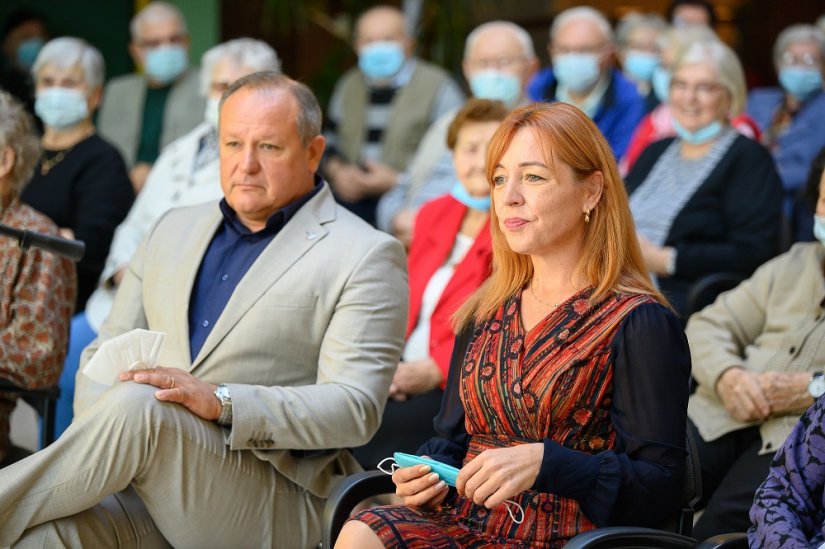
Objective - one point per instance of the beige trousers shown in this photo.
(135, 472)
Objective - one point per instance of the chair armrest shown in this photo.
(346, 495)
(738, 540)
(630, 536)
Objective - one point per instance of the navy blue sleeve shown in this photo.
(638, 482)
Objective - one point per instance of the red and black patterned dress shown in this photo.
(552, 384)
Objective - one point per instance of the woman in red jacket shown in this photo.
(449, 258)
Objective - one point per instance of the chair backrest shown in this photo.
(44, 402)
(691, 487)
(704, 291)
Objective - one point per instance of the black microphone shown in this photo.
(73, 249)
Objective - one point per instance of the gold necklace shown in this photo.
(540, 300)
(46, 164)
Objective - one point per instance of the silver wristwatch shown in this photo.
(816, 387)
(222, 394)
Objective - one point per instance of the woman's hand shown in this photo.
(499, 474)
(418, 487)
(413, 378)
(656, 257)
(179, 386)
(742, 395)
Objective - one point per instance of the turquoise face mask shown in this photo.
(165, 63)
(27, 52)
(61, 108)
(381, 60)
(577, 71)
(480, 203)
(800, 81)
(496, 85)
(639, 65)
(660, 82)
(819, 228)
(702, 135)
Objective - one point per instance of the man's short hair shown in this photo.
(519, 33)
(153, 12)
(582, 13)
(242, 52)
(309, 111)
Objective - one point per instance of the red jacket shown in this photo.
(436, 227)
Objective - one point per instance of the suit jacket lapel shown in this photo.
(298, 236)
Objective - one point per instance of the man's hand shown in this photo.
(741, 393)
(348, 180)
(402, 226)
(413, 378)
(379, 178)
(498, 474)
(786, 392)
(179, 386)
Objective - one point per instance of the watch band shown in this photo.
(222, 394)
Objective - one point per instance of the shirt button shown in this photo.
(205, 323)
(792, 350)
(225, 277)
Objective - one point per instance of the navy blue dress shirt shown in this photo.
(233, 249)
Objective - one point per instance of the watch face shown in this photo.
(817, 387)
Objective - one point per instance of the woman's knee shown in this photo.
(356, 534)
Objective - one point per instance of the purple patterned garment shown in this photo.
(789, 508)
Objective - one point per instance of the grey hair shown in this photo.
(518, 33)
(798, 33)
(154, 12)
(242, 52)
(585, 13)
(635, 20)
(66, 52)
(726, 65)
(17, 132)
(386, 8)
(309, 111)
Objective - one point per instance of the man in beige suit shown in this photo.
(284, 317)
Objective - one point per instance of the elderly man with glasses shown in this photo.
(142, 113)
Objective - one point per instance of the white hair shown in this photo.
(725, 63)
(582, 13)
(66, 52)
(17, 131)
(798, 33)
(635, 20)
(154, 12)
(242, 52)
(518, 33)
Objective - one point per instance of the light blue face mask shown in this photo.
(496, 85)
(639, 65)
(381, 60)
(27, 52)
(660, 82)
(61, 108)
(702, 135)
(480, 203)
(819, 228)
(165, 63)
(576, 71)
(800, 82)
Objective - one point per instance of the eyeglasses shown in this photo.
(502, 63)
(806, 59)
(175, 39)
(703, 90)
(587, 50)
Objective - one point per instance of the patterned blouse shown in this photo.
(37, 293)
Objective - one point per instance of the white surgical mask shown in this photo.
(61, 108)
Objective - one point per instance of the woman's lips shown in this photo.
(514, 222)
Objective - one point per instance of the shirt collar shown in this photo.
(591, 103)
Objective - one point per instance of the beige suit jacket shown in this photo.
(307, 343)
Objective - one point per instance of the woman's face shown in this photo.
(697, 98)
(539, 208)
(73, 78)
(468, 156)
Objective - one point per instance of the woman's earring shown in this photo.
(587, 216)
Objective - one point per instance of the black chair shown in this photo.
(44, 402)
(360, 486)
(738, 540)
(704, 291)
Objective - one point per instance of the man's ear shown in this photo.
(315, 151)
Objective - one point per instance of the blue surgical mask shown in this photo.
(496, 85)
(381, 60)
(61, 108)
(800, 81)
(212, 111)
(481, 203)
(702, 135)
(165, 63)
(819, 228)
(660, 81)
(639, 65)
(576, 71)
(27, 52)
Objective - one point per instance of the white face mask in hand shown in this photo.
(819, 228)
(135, 349)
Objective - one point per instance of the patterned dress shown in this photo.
(555, 382)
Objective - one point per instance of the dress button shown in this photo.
(205, 323)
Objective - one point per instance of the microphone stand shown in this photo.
(73, 249)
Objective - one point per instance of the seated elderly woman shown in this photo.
(568, 385)
(37, 288)
(758, 359)
(449, 258)
(709, 199)
(791, 115)
(639, 51)
(186, 173)
(80, 182)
